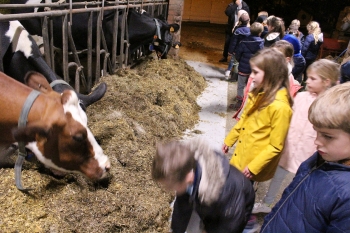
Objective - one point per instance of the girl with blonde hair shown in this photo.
(294, 29)
(311, 44)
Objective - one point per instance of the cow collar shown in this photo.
(21, 145)
(158, 35)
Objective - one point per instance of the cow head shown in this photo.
(145, 30)
(163, 44)
(60, 138)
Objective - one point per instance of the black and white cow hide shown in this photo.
(20, 54)
(142, 29)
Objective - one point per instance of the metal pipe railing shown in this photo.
(111, 61)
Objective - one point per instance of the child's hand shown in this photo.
(224, 148)
(247, 173)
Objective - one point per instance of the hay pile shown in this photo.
(153, 102)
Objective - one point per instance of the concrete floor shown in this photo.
(216, 120)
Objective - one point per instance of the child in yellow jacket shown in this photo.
(261, 131)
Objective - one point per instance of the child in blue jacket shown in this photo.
(239, 32)
(245, 50)
(318, 199)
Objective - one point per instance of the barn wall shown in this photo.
(211, 11)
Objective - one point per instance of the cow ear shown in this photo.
(30, 133)
(174, 27)
(37, 81)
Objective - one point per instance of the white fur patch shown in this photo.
(47, 162)
(24, 44)
(79, 115)
(34, 2)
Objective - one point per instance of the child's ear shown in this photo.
(288, 59)
(190, 177)
(327, 83)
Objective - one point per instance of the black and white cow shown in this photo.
(142, 29)
(19, 54)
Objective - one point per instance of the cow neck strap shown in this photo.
(158, 29)
(58, 81)
(21, 145)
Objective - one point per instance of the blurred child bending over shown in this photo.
(204, 182)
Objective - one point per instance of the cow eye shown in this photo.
(78, 137)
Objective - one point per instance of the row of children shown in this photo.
(272, 137)
(264, 32)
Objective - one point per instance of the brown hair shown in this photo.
(173, 161)
(256, 28)
(326, 69)
(331, 109)
(277, 24)
(285, 48)
(274, 64)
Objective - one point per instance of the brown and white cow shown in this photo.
(56, 130)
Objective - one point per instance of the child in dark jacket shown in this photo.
(245, 50)
(345, 72)
(262, 18)
(318, 199)
(298, 59)
(276, 31)
(240, 31)
(311, 44)
(204, 182)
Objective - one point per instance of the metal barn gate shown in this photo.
(111, 61)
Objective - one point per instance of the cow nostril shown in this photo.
(107, 168)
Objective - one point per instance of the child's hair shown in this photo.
(277, 25)
(326, 69)
(244, 19)
(294, 28)
(295, 22)
(331, 109)
(262, 16)
(274, 64)
(285, 48)
(256, 28)
(264, 13)
(173, 161)
(239, 21)
(314, 28)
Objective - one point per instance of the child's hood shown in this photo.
(213, 178)
(272, 35)
(320, 37)
(242, 30)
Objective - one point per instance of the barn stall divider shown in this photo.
(110, 60)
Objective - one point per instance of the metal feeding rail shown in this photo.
(111, 61)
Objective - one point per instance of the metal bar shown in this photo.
(46, 41)
(98, 47)
(75, 54)
(115, 37)
(122, 38)
(53, 13)
(65, 49)
(105, 48)
(89, 58)
(52, 48)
